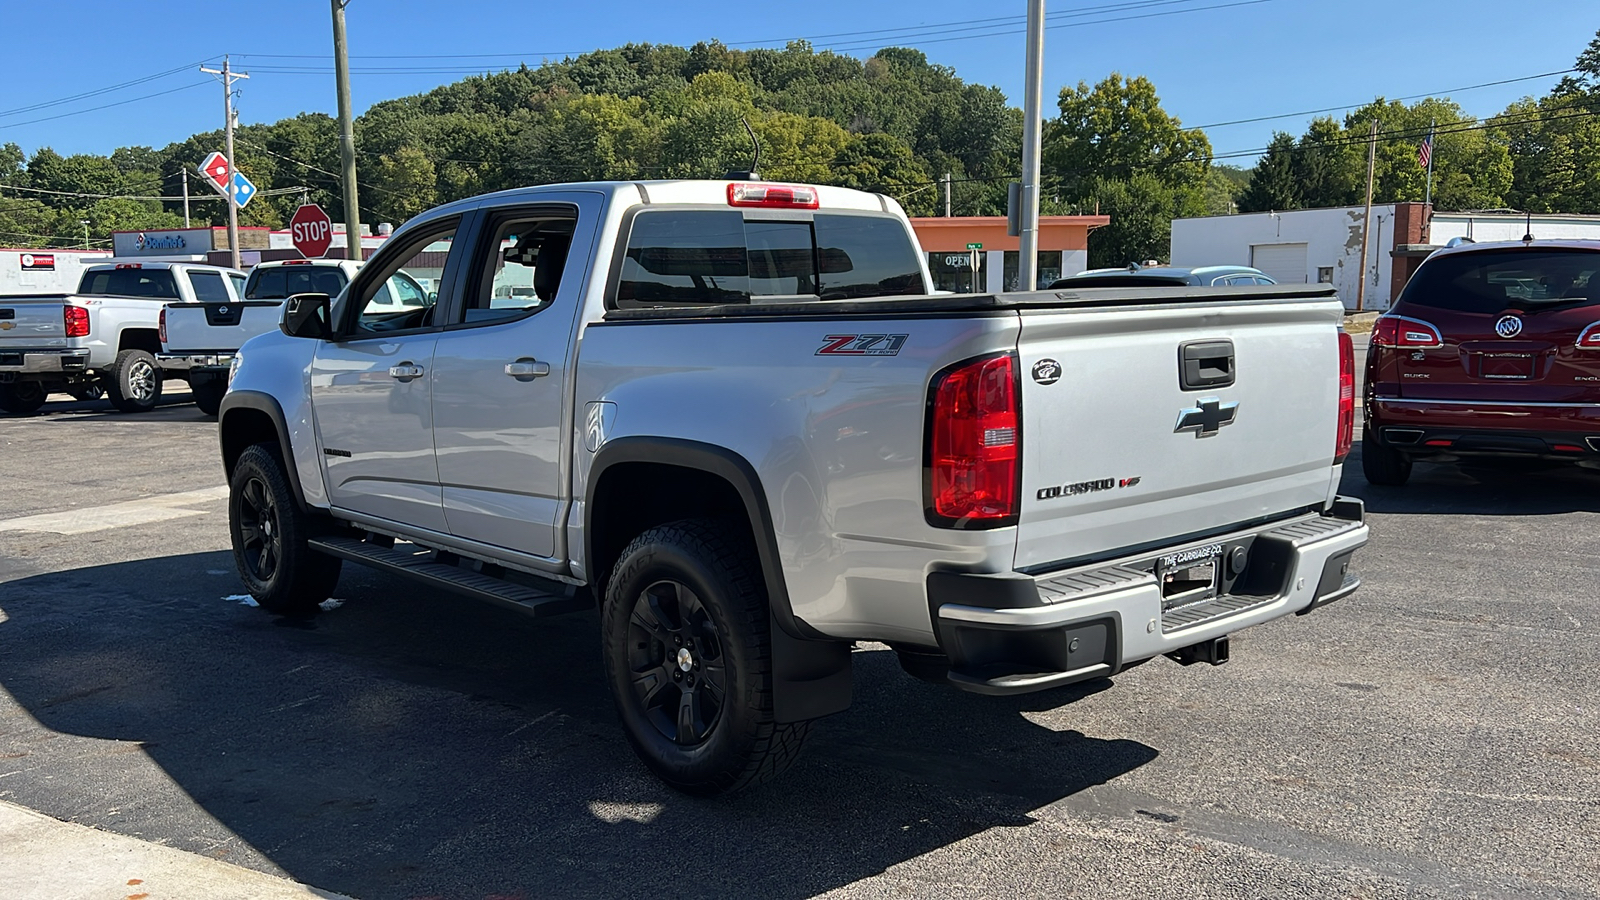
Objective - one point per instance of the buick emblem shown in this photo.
(1508, 326)
(1047, 371)
(1207, 417)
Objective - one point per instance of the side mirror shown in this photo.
(433, 296)
(306, 316)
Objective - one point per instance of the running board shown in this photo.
(425, 567)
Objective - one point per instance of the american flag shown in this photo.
(1425, 152)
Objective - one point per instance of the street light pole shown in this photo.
(1032, 124)
(347, 135)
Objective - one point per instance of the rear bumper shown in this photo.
(1012, 633)
(44, 362)
(1557, 431)
(216, 359)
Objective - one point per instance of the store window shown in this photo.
(952, 271)
(1049, 269)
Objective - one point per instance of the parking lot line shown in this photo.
(159, 508)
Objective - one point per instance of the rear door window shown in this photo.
(707, 257)
(1493, 281)
(280, 282)
(208, 287)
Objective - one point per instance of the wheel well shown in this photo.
(635, 496)
(144, 339)
(243, 428)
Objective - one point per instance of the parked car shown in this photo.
(202, 338)
(733, 417)
(103, 338)
(1155, 276)
(1491, 352)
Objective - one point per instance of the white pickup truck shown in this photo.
(731, 416)
(201, 338)
(105, 337)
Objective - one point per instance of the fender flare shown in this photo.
(268, 404)
(811, 671)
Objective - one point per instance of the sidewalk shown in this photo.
(46, 859)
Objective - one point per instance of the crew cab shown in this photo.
(1492, 352)
(105, 337)
(732, 415)
(201, 338)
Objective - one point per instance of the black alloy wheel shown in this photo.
(677, 663)
(260, 533)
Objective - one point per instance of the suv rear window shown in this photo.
(282, 282)
(1492, 281)
(706, 257)
(154, 283)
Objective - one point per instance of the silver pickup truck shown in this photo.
(105, 337)
(732, 416)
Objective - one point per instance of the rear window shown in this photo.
(154, 283)
(1495, 280)
(282, 282)
(208, 287)
(706, 257)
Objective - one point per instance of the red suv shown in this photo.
(1492, 350)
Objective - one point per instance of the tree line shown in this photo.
(894, 123)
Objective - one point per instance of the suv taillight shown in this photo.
(974, 444)
(76, 319)
(1399, 331)
(161, 326)
(1589, 338)
(1347, 399)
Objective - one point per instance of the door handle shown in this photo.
(527, 369)
(405, 371)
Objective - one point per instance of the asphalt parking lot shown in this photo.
(1436, 735)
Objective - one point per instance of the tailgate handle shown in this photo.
(1205, 364)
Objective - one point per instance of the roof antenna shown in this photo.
(1528, 238)
(751, 174)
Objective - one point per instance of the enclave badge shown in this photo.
(1047, 371)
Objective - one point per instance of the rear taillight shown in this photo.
(1347, 399)
(772, 196)
(161, 326)
(76, 319)
(974, 443)
(1399, 331)
(1589, 338)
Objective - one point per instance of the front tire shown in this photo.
(1383, 464)
(133, 383)
(269, 532)
(689, 658)
(22, 398)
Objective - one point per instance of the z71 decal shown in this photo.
(862, 344)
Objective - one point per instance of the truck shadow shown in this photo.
(1485, 489)
(408, 744)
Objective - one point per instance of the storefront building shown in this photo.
(1063, 250)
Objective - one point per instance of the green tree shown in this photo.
(1141, 208)
(1118, 129)
(881, 162)
(1272, 182)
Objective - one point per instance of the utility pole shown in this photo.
(185, 173)
(1427, 197)
(1366, 223)
(947, 195)
(347, 136)
(1028, 237)
(228, 78)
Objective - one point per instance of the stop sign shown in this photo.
(311, 230)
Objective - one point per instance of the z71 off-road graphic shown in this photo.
(862, 345)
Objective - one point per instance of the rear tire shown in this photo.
(1382, 464)
(85, 392)
(22, 398)
(133, 383)
(689, 658)
(208, 391)
(269, 532)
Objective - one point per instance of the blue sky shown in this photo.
(1239, 60)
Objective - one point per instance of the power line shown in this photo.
(106, 106)
(88, 196)
(94, 93)
(1312, 112)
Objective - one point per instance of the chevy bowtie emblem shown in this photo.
(1207, 417)
(7, 326)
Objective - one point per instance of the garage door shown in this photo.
(1285, 263)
